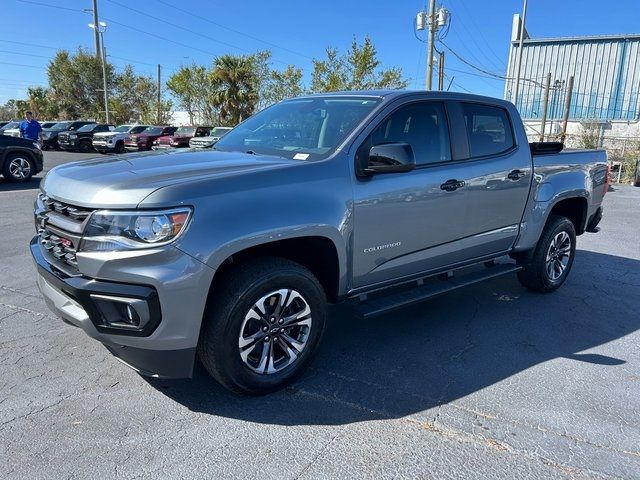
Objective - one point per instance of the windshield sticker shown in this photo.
(301, 156)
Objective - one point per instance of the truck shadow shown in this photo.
(439, 351)
(32, 184)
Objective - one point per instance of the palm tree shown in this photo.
(234, 84)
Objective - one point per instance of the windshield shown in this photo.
(10, 125)
(301, 129)
(87, 128)
(122, 129)
(138, 129)
(219, 131)
(153, 130)
(185, 131)
(61, 125)
(48, 124)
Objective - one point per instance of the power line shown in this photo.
(200, 17)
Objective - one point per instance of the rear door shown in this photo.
(498, 178)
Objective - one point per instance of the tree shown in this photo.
(355, 70)
(75, 83)
(135, 99)
(191, 87)
(40, 103)
(282, 84)
(234, 87)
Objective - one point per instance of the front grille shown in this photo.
(201, 143)
(60, 228)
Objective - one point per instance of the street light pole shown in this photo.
(520, 42)
(101, 27)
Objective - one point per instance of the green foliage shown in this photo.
(234, 86)
(135, 99)
(190, 86)
(75, 84)
(589, 136)
(358, 69)
(282, 84)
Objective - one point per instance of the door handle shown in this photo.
(516, 174)
(451, 185)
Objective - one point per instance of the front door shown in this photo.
(405, 223)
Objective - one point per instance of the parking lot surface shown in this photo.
(488, 382)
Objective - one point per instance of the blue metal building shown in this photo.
(606, 72)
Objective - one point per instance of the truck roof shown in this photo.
(392, 94)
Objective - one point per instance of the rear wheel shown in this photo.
(548, 266)
(262, 325)
(17, 168)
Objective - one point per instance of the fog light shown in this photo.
(121, 312)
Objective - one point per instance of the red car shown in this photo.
(144, 140)
(181, 137)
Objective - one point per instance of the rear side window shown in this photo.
(423, 125)
(488, 129)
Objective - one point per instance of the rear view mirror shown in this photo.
(390, 158)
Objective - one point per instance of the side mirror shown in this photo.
(390, 158)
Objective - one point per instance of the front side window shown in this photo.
(423, 125)
(488, 129)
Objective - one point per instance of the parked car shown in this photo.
(47, 124)
(50, 135)
(20, 158)
(12, 125)
(3, 123)
(181, 137)
(144, 140)
(113, 141)
(209, 141)
(382, 198)
(80, 140)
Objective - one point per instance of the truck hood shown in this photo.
(107, 134)
(123, 182)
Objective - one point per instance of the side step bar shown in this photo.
(431, 288)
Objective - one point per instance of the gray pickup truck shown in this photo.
(381, 198)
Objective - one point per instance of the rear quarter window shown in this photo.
(488, 129)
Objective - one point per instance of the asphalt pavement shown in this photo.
(492, 381)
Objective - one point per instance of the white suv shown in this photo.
(113, 141)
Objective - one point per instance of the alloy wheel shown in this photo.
(20, 168)
(275, 331)
(558, 255)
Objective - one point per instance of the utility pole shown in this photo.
(567, 108)
(520, 40)
(95, 30)
(547, 86)
(433, 20)
(441, 71)
(159, 99)
(432, 34)
(104, 77)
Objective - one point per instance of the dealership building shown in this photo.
(606, 88)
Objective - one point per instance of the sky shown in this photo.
(174, 33)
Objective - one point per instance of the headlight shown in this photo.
(73, 135)
(46, 135)
(110, 230)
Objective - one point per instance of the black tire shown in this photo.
(535, 273)
(226, 313)
(85, 146)
(18, 167)
(120, 147)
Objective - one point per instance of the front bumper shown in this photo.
(162, 147)
(103, 146)
(168, 285)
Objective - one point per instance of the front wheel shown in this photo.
(120, 147)
(17, 168)
(85, 146)
(262, 326)
(547, 268)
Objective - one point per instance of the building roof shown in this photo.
(589, 38)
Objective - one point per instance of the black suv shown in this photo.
(50, 135)
(80, 139)
(20, 158)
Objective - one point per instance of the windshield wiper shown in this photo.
(251, 152)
